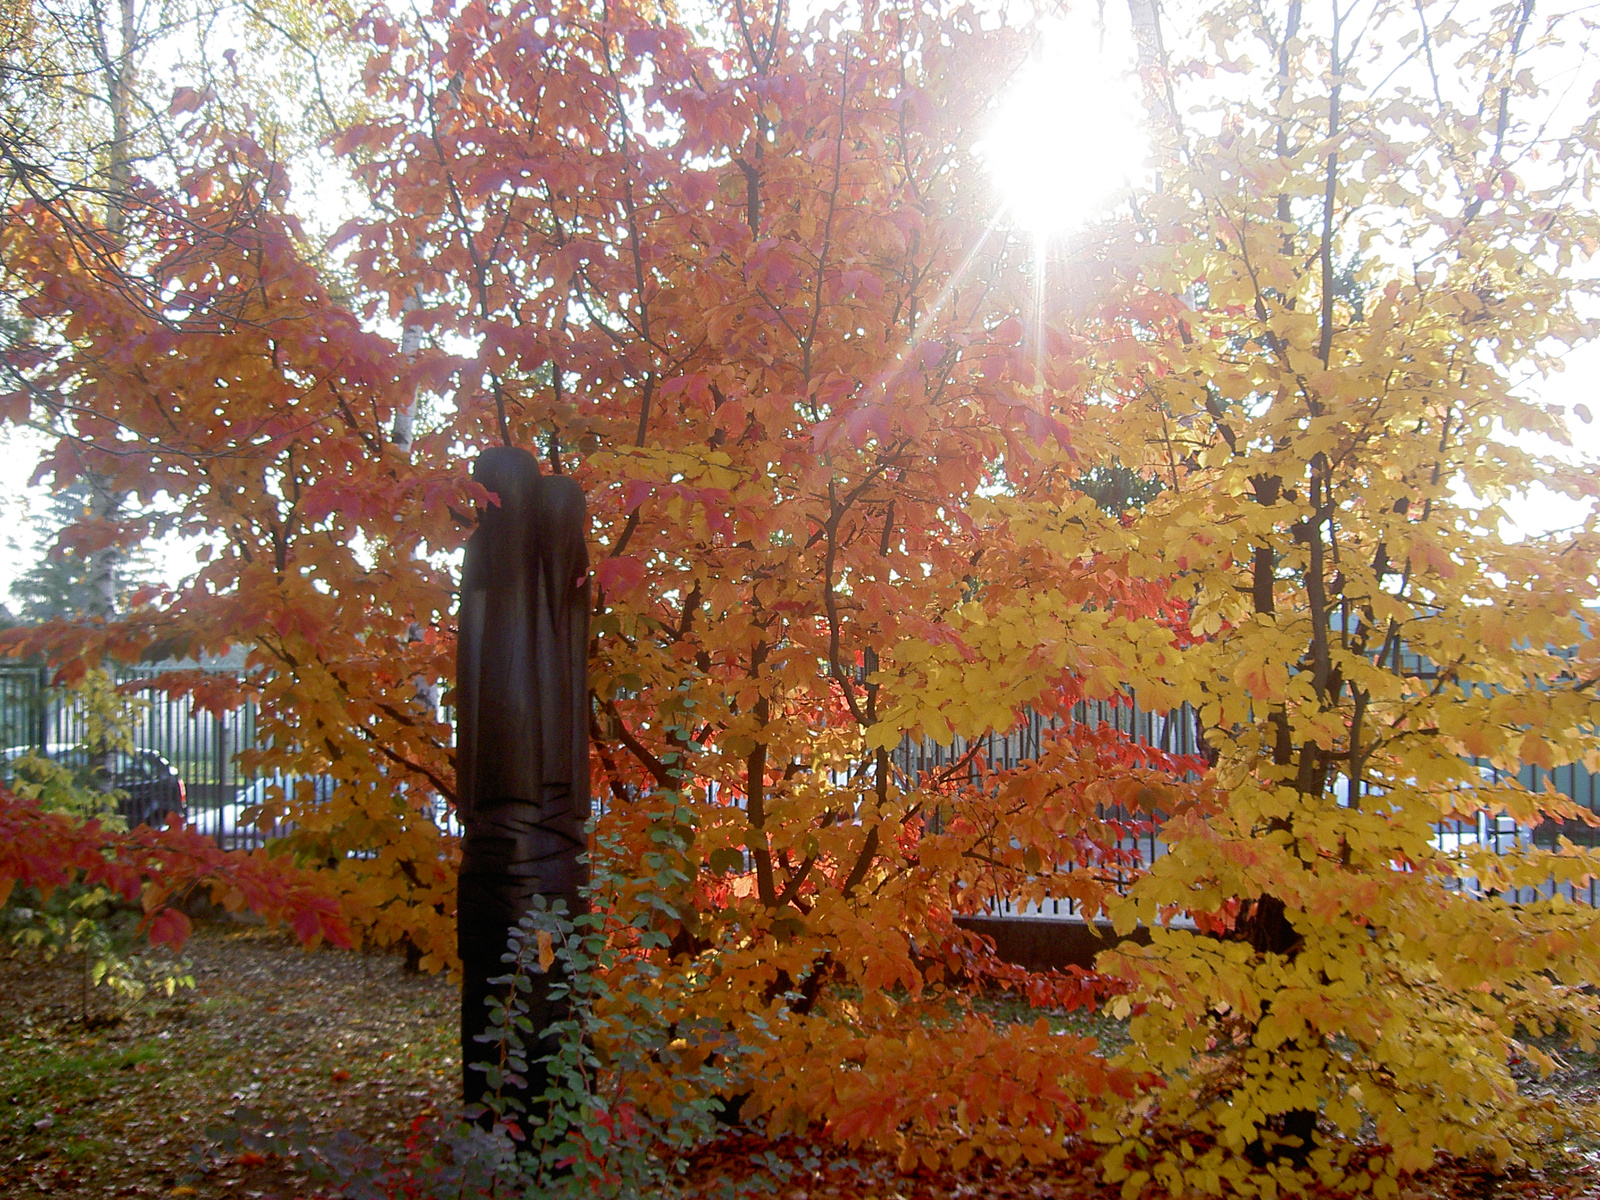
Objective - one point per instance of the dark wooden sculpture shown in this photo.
(522, 734)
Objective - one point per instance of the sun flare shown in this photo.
(1067, 137)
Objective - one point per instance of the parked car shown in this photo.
(150, 784)
(231, 824)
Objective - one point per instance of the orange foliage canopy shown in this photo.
(739, 279)
(741, 283)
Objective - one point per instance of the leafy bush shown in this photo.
(83, 787)
(633, 1089)
(95, 925)
(89, 921)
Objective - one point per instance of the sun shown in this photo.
(1067, 138)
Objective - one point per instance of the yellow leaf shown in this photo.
(1537, 751)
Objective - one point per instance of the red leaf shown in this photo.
(185, 100)
(639, 490)
(619, 575)
(170, 928)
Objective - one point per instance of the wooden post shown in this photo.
(522, 752)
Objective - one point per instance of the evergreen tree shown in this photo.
(62, 583)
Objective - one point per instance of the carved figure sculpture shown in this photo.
(522, 734)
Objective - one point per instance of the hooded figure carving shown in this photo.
(522, 735)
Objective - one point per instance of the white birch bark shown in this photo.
(405, 416)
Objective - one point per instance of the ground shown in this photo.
(120, 1108)
(351, 1049)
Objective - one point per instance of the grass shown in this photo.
(53, 1086)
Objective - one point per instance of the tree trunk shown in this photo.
(105, 504)
(405, 415)
(122, 74)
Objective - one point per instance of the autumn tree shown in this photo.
(284, 575)
(843, 448)
(1335, 446)
(86, 108)
(738, 283)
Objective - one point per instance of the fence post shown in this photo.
(44, 707)
(222, 756)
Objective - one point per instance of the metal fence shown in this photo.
(1177, 732)
(1174, 732)
(203, 747)
(200, 745)
(1502, 834)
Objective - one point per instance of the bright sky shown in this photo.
(1051, 175)
(1540, 511)
(19, 504)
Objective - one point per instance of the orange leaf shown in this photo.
(547, 950)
